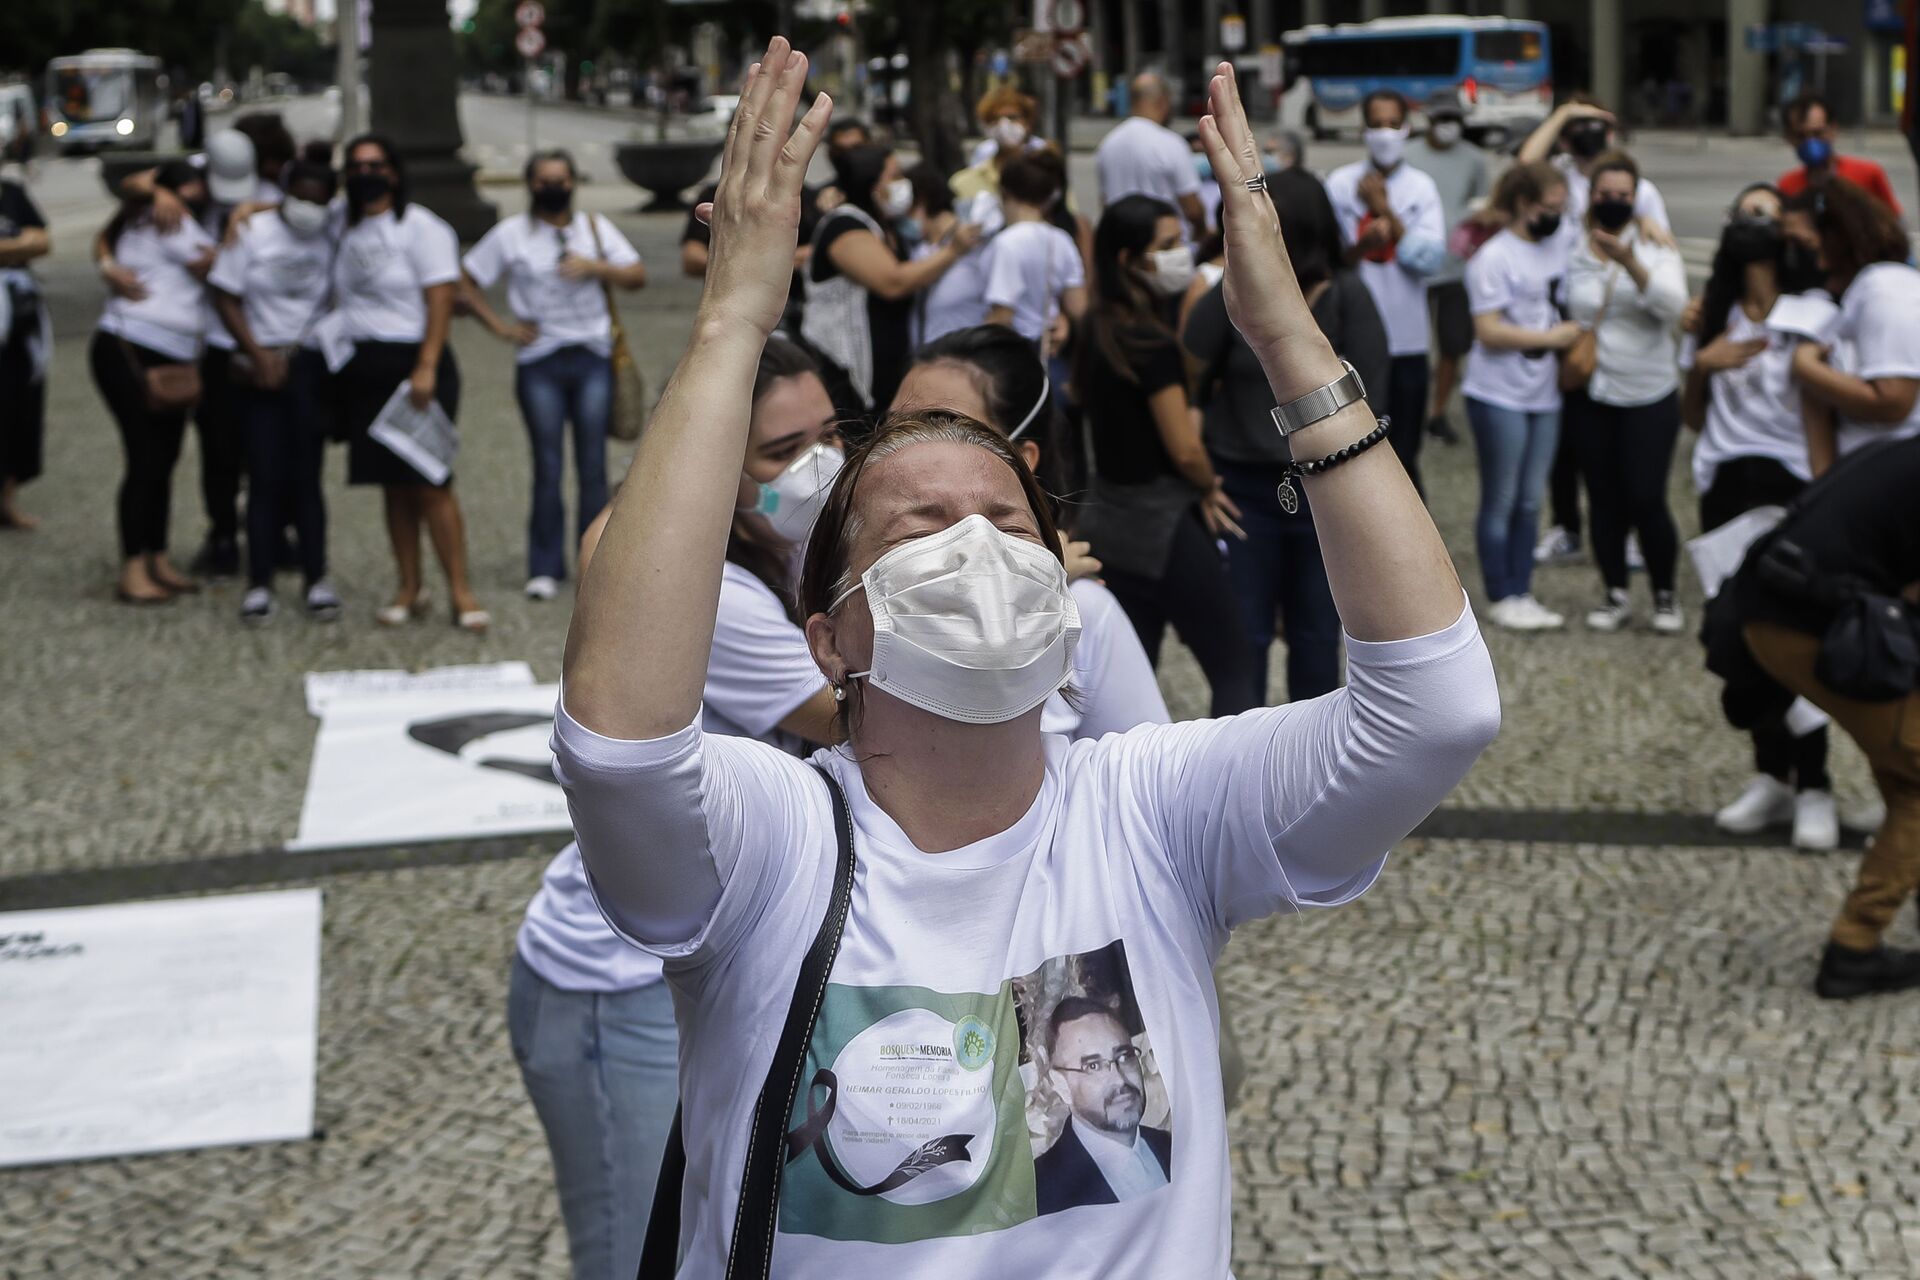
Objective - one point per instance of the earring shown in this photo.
(839, 693)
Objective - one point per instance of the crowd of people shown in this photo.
(945, 458)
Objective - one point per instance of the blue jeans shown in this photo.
(601, 1068)
(571, 385)
(1515, 450)
(1279, 568)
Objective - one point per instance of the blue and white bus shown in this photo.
(1497, 69)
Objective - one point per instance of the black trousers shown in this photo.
(151, 441)
(1563, 482)
(23, 409)
(1740, 485)
(217, 424)
(1407, 412)
(1625, 455)
(286, 443)
(1195, 595)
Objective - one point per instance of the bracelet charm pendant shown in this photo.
(1289, 500)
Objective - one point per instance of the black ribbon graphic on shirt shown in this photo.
(812, 1135)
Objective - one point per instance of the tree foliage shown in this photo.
(182, 33)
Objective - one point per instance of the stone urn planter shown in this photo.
(667, 168)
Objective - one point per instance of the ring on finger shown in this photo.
(1258, 182)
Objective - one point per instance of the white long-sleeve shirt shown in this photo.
(1638, 359)
(1140, 853)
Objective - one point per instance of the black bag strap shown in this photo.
(751, 1254)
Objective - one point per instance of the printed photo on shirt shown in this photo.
(1097, 1110)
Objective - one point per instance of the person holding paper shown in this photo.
(394, 279)
(1752, 452)
(1629, 286)
(1867, 371)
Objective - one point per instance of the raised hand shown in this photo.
(1262, 295)
(755, 214)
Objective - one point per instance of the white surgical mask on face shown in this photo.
(897, 198)
(1008, 132)
(1446, 132)
(1170, 271)
(791, 501)
(969, 623)
(303, 217)
(1386, 146)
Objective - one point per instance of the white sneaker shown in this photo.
(1866, 818)
(1668, 619)
(1636, 563)
(1556, 546)
(1767, 802)
(1544, 618)
(1513, 614)
(542, 588)
(256, 606)
(1816, 821)
(1616, 613)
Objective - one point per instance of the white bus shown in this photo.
(105, 98)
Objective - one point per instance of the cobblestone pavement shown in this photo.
(1571, 1055)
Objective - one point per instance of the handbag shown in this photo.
(1871, 650)
(172, 387)
(751, 1254)
(629, 386)
(1578, 361)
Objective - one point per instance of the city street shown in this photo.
(1570, 1032)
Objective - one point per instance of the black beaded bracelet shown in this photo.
(1290, 500)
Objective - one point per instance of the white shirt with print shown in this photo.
(172, 318)
(527, 252)
(1752, 411)
(384, 266)
(1515, 279)
(1141, 851)
(1400, 294)
(279, 277)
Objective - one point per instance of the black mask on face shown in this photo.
(1800, 268)
(1611, 215)
(1587, 138)
(551, 197)
(365, 188)
(1751, 240)
(1543, 225)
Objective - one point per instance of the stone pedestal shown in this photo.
(413, 88)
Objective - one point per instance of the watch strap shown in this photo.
(1321, 402)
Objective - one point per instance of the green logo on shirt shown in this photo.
(972, 1043)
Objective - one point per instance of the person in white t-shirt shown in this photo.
(155, 319)
(956, 300)
(1626, 283)
(1393, 222)
(394, 280)
(1867, 376)
(1033, 270)
(270, 289)
(559, 264)
(1752, 452)
(1140, 156)
(997, 869)
(1512, 387)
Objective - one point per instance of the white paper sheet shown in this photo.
(437, 764)
(324, 687)
(158, 1026)
(1804, 315)
(336, 348)
(424, 439)
(1717, 555)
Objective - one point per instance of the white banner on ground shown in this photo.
(323, 687)
(432, 764)
(158, 1026)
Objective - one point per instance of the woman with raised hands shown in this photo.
(1019, 1020)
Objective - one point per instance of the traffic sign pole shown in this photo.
(528, 15)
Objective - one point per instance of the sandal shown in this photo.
(473, 620)
(399, 615)
(125, 596)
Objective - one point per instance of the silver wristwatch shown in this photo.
(1322, 402)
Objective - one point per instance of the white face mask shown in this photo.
(969, 623)
(303, 217)
(792, 500)
(897, 198)
(1386, 146)
(1008, 132)
(1170, 271)
(1445, 132)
